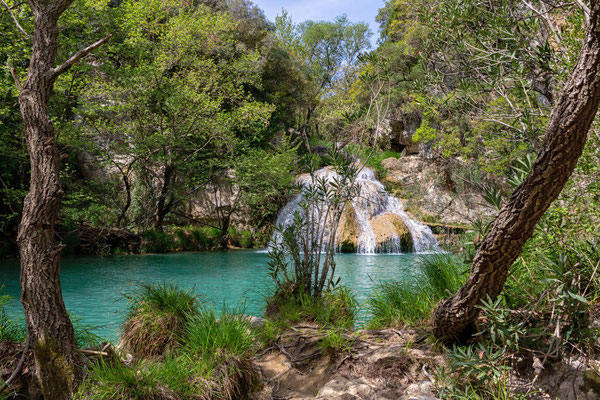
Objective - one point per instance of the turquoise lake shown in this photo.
(93, 288)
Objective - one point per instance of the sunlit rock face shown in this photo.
(435, 190)
(373, 222)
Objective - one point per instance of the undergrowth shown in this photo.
(398, 304)
(185, 351)
(158, 316)
(197, 238)
(335, 311)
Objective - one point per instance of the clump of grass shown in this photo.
(207, 334)
(407, 303)
(84, 333)
(397, 304)
(209, 360)
(10, 331)
(337, 341)
(154, 241)
(443, 274)
(241, 238)
(183, 351)
(158, 316)
(176, 377)
(336, 308)
(335, 311)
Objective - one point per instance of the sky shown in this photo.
(301, 10)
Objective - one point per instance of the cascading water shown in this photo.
(376, 220)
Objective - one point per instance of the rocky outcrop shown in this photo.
(431, 193)
(348, 231)
(389, 230)
(401, 133)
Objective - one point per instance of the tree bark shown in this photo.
(57, 359)
(563, 144)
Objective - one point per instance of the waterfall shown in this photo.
(374, 221)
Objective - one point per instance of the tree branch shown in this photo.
(15, 76)
(585, 9)
(78, 56)
(14, 17)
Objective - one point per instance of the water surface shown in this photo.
(93, 288)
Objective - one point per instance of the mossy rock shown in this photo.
(591, 382)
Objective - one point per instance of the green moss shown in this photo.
(56, 373)
(591, 381)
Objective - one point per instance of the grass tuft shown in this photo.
(208, 334)
(183, 352)
(158, 316)
(336, 308)
(396, 304)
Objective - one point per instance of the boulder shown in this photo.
(402, 133)
(389, 229)
(348, 231)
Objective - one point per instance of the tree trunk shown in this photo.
(162, 206)
(563, 144)
(125, 208)
(57, 359)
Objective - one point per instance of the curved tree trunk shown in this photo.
(58, 362)
(563, 144)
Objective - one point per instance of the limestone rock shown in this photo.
(348, 231)
(431, 191)
(389, 228)
(343, 388)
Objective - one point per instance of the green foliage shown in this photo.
(209, 335)
(337, 341)
(326, 53)
(411, 303)
(244, 238)
(157, 318)
(175, 95)
(455, 386)
(186, 238)
(265, 178)
(375, 161)
(204, 356)
(176, 377)
(9, 330)
(336, 309)
(301, 256)
(157, 242)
